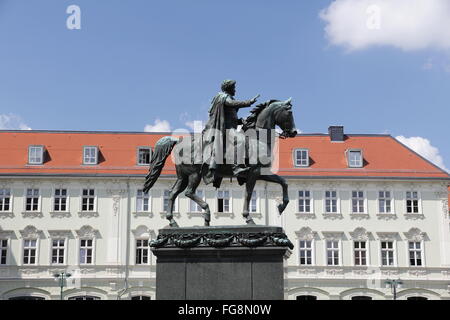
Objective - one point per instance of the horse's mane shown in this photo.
(250, 121)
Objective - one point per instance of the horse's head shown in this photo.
(270, 114)
(284, 118)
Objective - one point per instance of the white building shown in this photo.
(364, 209)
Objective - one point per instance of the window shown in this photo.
(331, 202)
(387, 253)
(193, 206)
(84, 298)
(354, 158)
(144, 156)
(415, 253)
(35, 155)
(166, 196)
(90, 155)
(332, 252)
(26, 298)
(304, 201)
(58, 248)
(301, 157)
(3, 250)
(60, 200)
(361, 298)
(360, 252)
(384, 202)
(86, 250)
(412, 202)
(88, 200)
(142, 251)
(142, 201)
(5, 199)
(223, 201)
(141, 298)
(305, 298)
(305, 247)
(357, 201)
(29, 251)
(254, 203)
(32, 200)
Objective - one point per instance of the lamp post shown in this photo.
(394, 284)
(62, 276)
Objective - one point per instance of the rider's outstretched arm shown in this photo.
(231, 103)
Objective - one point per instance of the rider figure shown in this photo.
(223, 122)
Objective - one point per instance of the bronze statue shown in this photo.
(218, 141)
(222, 117)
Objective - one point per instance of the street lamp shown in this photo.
(62, 276)
(394, 284)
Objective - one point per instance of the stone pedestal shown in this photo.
(220, 263)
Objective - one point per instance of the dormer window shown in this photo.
(143, 156)
(355, 158)
(35, 154)
(90, 155)
(301, 157)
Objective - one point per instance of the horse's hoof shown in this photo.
(173, 224)
(250, 221)
(281, 208)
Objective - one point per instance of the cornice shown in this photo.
(388, 235)
(60, 233)
(6, 214)
(32, 214)
(60, 214)
(7, 233)
(333, 235)
(88, 214)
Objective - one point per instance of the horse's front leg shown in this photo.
(277, 179)
(249, 187)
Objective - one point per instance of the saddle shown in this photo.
(222, 171)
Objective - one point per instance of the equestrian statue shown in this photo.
(223, 149)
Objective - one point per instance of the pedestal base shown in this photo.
(220, 263)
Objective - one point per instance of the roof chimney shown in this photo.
(336, 133)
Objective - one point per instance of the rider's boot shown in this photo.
(239, 171)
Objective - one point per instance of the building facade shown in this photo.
(364, 209)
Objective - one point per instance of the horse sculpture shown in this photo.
(263, 119)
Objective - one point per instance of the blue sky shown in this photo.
(133, 62)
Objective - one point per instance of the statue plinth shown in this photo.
(220, 263)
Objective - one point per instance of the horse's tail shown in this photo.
(162, 150)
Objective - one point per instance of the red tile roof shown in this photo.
(383, 155)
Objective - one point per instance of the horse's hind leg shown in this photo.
(194, 181)
(177, 188)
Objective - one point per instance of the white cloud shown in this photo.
(423, 147)
(12, 122)
(158, 126)
(404, 24)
